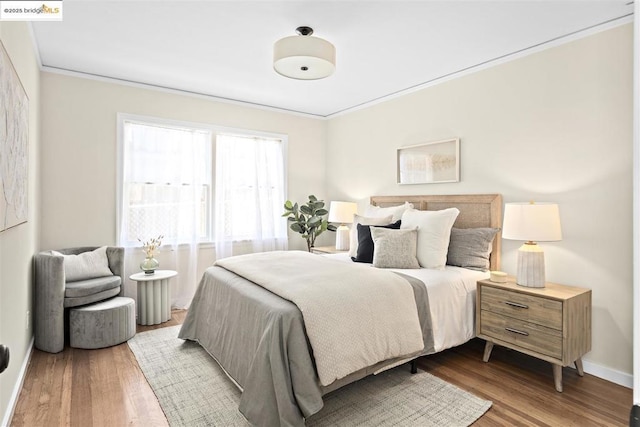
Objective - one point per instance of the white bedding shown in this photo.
(452, 298)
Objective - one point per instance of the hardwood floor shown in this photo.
(89, 388)
(106, 388)
(522, 389)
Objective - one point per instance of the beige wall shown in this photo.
(18, 244)
(79, 148)
(79, 128)
(552, 126)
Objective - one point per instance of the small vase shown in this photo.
(149, 265)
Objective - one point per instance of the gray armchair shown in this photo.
(53, 294)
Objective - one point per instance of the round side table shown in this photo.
(154, 296)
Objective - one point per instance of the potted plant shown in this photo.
(308, 219)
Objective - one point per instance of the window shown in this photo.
(196, 183)
(249, 187)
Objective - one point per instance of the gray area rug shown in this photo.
(194, 391)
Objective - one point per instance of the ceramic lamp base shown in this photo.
(342, 238)
(530, 266)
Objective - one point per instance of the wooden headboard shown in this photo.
(476, 210)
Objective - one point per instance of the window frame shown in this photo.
(121, 118)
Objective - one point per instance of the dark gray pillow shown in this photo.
(365, 242)
(471, 247)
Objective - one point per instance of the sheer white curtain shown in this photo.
(166, 190)
(250, 192)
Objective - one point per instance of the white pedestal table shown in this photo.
(154, 296)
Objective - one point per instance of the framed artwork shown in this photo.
(14, 144)
(431, 162)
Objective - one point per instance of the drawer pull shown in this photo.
(515, 304)
(516, 331)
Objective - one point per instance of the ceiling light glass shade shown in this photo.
(536, 222)
(304, 57)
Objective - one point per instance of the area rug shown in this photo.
(194, 391)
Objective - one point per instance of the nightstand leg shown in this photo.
(487, 351)
(557, 376)
(579, 366)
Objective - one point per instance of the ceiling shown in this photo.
(224, 48)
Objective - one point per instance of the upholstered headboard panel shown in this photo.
(476, 210)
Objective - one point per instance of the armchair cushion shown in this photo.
(86, 265)
(74, 302)
(83, 288)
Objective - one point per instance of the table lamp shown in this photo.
(342, 213)
(531, 222)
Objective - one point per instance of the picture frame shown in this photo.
(14, 145)
(429, 163)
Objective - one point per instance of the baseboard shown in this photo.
(612, 375)
(6, 420)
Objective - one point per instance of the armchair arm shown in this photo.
(116, 264)
(49, 302)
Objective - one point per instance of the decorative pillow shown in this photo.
(434, 230)
(365, 242)
(353, 233)
(394, 248)
(395, 211)
(87, 265)
(471, 247)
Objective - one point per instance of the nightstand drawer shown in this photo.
(532, 336)
(529, 308)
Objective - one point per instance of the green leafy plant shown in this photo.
(308, 219)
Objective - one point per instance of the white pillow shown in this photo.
(87, 265)
(394, 248)
(434, 232)
(353, 233)
(395, 211)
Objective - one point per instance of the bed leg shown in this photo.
(414, 366)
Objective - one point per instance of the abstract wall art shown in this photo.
(14, 145)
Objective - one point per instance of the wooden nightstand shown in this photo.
(551, 323)
(326, 250)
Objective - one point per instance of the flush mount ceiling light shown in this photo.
(304, 57)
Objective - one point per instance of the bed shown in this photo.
(268, 345)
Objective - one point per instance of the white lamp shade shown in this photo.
(304, 57)
(342, 212)
(536, 222)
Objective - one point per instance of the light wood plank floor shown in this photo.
(106, 388)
